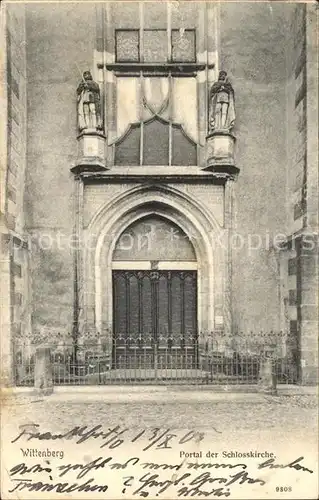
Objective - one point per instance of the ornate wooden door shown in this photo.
(155, 319)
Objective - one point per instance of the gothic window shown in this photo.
(156, 97)
(127, 151)
(155, 142)
(155, 45)
(183, 149)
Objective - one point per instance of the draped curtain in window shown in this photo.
(158, 103)
(141, 98)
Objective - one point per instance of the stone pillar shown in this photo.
(202, 84)
(228, 222)
(43, 373)
(267, 374)
(307, 308)
(307, 251)
(5, 245)
(312, 192)
(7, 362)
(110, 81)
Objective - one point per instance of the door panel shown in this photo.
(155, 320)
(145, 305)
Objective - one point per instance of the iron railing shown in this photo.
(139, 360)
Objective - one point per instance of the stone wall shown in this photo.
(17, 115)
(310, 294)
(301, 272)
(256, 65)
(252, 50)
(15, 298)
(61, 42)
(297, 119)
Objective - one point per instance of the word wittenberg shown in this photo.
(35, 453)
(188, 479)
(114, 437)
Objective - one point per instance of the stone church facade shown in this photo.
(130, 214)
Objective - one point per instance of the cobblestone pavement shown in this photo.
(284, 425)
(295, 414)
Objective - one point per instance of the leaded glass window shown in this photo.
(127, 151)
(155, 142)
(184, 151)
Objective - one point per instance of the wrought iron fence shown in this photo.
(166, 360)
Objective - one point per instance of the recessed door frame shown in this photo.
(104, 303)
(118, 214)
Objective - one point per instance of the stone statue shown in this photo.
(89, 104)
(222, 107)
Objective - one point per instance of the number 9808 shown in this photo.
(283, 489)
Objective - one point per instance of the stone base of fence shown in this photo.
(267, 377)
(140, 360)
(43, 372)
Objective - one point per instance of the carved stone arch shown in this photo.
(154, 191)
(137, 203)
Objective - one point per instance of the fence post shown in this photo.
(43, 372)
(267, 374)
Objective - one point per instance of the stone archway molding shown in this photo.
(115, 216)
(167, 192)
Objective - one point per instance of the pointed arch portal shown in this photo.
(149, 277)
(154, 296)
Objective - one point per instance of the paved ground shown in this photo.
(285, 425)
(291, 410)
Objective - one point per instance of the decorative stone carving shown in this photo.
(267, 374)
(91, 153)
(91, 138)
(222, 105)
(89, 104)
(43, 375)
(220, 142)
(220, 160)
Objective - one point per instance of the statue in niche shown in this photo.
(222, 106)
(89, 104)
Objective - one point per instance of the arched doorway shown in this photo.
(154, 286)
(106, 233)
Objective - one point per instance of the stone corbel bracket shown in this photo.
(220, 147)
(91, 152)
